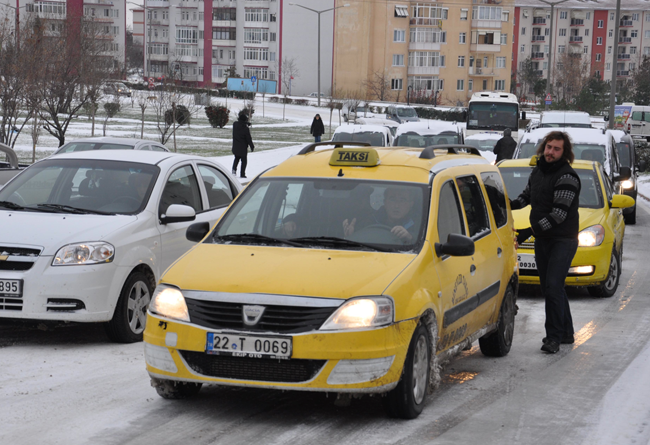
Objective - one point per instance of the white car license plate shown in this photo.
(11, 288)
(526, 261)
(257, 346)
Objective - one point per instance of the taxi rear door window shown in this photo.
(474, 205)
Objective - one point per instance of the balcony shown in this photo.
(424, 70)
(481, 72)
(537, 55)
(424, 46)
(538, 38)
(158, 57)
(575, 39)
(484, 48)
(224, 23)
(98, 2)
(539, 21)
(626, 23)
(486, 24)
(425, 21)
(624, 56)
(620, 73)
(625, 40)
(577, 22)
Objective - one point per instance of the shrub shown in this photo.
(111, 108)
(304, 102)
(218, 115)
(182, 115)
(274, 99)
(454, 114)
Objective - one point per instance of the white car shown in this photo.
(375, 135)
(110, 143)
(85, 236)
(426, 133)
(485, 143)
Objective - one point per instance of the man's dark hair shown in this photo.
(558, 136)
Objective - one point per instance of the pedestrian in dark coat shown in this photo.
(505, 147)
(241, 140)
(317, 128)
(552, 192)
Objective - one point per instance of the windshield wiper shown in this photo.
(69, 209)
(255, 237)
(11, 205)
(336, 241)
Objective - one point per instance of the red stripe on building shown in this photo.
(207, 43)
(515, 44)
(599, 49)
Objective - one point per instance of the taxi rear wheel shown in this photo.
(407, 400)
(609, 286)
(128, 323)
(175, 390)
(499, 342)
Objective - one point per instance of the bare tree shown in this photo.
(353, 99)
(111, 108)
(35, 133)
(378, 86)
(288, 72)
(143, 98)
(571, 75)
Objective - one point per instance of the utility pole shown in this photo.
(612, 94)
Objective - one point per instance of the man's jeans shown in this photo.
(553, 257)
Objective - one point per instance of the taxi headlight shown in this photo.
(362, 312)
(84, 253)
(591, 236)
(169, 302)
(627, 184)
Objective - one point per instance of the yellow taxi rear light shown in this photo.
(356, 157)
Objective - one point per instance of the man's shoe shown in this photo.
(568, 340)
(243, 177)
(551, 347)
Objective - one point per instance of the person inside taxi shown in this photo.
(395, 213)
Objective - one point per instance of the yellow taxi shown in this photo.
(345, 269)
(597, 262)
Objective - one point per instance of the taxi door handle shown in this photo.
(472, 269)
(499, 252)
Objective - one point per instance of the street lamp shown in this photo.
(319, 13)
(147, 35)
(550, 49)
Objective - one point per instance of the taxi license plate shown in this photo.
(526, 261)
(11, 288)
(256, 346)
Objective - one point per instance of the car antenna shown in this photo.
(340, 173)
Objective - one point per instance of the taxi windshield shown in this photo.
(413, 139)
(336, 213)
(589, 152)
(482, 144)
(406, 112)
(372, 137)
(516, 178)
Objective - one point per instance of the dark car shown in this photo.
(628, 158)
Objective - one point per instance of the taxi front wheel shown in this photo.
(609, 286)
(407, 400)
(175, 390)
(499, 342)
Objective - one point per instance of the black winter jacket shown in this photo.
(241, 138)
(505, 148)
(317, 127)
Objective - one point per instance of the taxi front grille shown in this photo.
(11, 304)
(17, 258)
(286, 319)
(257, 369)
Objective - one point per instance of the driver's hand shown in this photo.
(289, 228)
(348, 227)
(401, 233)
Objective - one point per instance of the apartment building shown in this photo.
(201, 41)
(440, 50)
(109, 15)
(582, 30)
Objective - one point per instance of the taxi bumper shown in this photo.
(363, 361)
(589, 267)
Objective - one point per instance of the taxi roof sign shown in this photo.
(356, 157)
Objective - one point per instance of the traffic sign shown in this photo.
(253, 79)
(549, 99)
(151, 84)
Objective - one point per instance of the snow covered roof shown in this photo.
(361, 128)
(484, 136)
(578, 135)
(428, 127)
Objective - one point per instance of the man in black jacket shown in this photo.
(553, 192)
(317, 128)
(505, 147)
(241, 140)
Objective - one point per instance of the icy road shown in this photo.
(70, 386)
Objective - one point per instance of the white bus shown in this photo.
(493, 112)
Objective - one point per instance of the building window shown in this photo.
(501, 62)
(427, 35)
(272, 57)
(597, 73)
(646, 50)
(601, 23)
(599, 40)
(401, 11)
(523, 31)
(632, 49)
(228, 14)
(398, 59)
(589, 16)
(635, 16)
(461, 61)
(224, 34)
(564, 14)
(598, 57)
(561, 48)
(634, 33)
(505, 16)
(610, 33)
(608, 66)
(426, 58)
(186, 35)
(562, 32)
(257, 15)
(609, 50)
(470, 85)
(585, 50)
(460, 85)
(399, 35)
(462, 37)
(463, 14)
(504, 39)
(646, 33)
(632, 66)
(522, 49)
(586, 32)
(612, 16)
(396, 84)
(499, 85)
(256, 35)
(272, 37)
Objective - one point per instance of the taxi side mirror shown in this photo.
(197, 231)
(621, 202)
(456, 245)
(624, 173)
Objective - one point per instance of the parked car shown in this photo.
(390, 124)
(425, 134)
(85, 236)
(554, 119)
(597, 262)
(634, 119)
(356, 113)
(353, 270)
(401, 113)
(375, 135)
(110, 143)
(117, 89)
(628, 158)
(315, 94)
(485, 143)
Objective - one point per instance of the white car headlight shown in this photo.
(627, 184)
(591, 236)
(365, 312)
(169, 302)
(84, 253)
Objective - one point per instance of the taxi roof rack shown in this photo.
(428, 152)
(338, 144)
